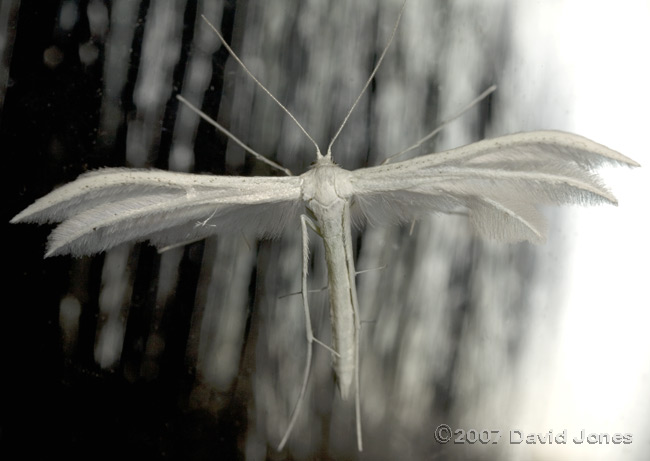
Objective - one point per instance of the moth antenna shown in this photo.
(250, 74)
(475, 101)
(365, 87)
(240, 143)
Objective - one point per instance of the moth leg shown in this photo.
(305, 222)
(305, 251)
(412, 228)
(320, 290)
(205, 222)
(380, 268)
(357, 325)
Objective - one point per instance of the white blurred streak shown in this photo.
(88, 53)
(236, 109)
(197, 78)
(166, 288)
(97, 18)
(472, 39)
(113, 306)
(160, 54)
(405, 107)
(69, 312)
(8, 16)
(116, 65)
(222, 308)
(68, 15)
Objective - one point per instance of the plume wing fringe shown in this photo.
(499, 182)
(105, 208)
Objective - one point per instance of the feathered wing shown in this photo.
(104, 208)
(499, 181)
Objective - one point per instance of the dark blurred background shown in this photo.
(196, 354)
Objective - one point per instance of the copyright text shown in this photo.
(444, 434)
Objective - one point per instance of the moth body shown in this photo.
(326, 191)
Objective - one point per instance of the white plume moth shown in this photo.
(498, 182)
